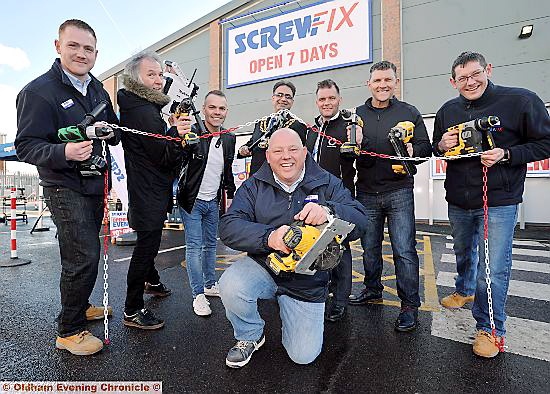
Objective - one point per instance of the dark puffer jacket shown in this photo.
(261, 206)
(151, 163)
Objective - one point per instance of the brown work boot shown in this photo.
(456, 300)
(96, 312)
(81, 344)
(485, 344)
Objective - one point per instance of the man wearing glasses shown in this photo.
(282, 98)
(523, 136)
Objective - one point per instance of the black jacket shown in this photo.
(258, 153)
(261, 206)
(151, 164)
(44, 106)
(329, 157)
(375, 175)
(525, 131)
(194, 164)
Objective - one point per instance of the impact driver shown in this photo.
(84, 131)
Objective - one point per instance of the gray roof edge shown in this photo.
(181, 33)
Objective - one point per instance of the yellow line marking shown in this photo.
(390, 290)
(430, 289)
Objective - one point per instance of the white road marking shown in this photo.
(528, 243)
(160, 251)
(520, 265)
(518, 288)
(525, 337)
(39, 243)
(525, 252)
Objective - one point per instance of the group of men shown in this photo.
(300, 175)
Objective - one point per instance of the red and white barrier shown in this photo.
(13, 217)
(14, 260)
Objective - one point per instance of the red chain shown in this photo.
(179, 139)
(106, 234)
(336, 141)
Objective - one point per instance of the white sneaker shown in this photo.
(214, 291)
(201, 306)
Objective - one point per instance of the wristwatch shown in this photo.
(506, 157)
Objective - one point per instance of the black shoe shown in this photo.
(335, 313)
(407, 320)
(143, 319)
(365, 296)
(157, 290)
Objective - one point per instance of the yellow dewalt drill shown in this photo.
(400, 135)
(470, 136)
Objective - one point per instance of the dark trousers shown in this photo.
(78, 220)
(142, 268)
(340, 282)
(398, 207)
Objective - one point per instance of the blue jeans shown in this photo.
(78, 221)
(243, 283)
(467, 232)
(201, 228)
(398, 207)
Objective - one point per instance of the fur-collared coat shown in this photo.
(151, 163)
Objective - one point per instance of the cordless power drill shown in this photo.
(470, 136)
(84, 131)
(184, 92)
(350, 148)
(399, 136)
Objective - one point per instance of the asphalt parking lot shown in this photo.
(362, 353)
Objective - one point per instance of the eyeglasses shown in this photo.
(475, 75)
(281, 95)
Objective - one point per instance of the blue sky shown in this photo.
(28, 30)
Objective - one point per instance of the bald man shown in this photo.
(263, 207)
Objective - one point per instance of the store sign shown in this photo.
(535, 169)
(118, 223)
(322, 36)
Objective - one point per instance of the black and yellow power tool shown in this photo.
(474, 136)
(312, 248)
(399, 136)
(350, 148)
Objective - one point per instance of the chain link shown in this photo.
(309, 126)
(105, 247)
(500, 344)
